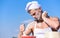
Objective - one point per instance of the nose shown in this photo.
(33, 14)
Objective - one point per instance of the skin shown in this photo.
(43, 18)
(22, 28)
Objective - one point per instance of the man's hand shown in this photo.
(44, 15)
(21, 31)
(22, 28)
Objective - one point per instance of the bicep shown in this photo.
(28, 30)
(55, 22)
(56, 19)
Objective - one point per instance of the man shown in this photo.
(42, 23)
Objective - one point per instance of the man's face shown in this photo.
(36, 13)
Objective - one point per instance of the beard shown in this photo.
(38, 18)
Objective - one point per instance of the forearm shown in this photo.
(25, 33)
(20, 35)
(51, 23)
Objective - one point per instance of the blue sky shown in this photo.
(12, 14)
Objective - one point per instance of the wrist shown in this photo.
(21, 33)
(43, 18)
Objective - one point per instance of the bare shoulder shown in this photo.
(31, 25)
(54, 18)
(29, 28)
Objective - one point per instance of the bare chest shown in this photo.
(41, 25)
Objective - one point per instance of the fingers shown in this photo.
(45, 14)
(22, 27)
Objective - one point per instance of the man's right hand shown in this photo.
(22, 28)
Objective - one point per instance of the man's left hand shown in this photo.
(44, 15)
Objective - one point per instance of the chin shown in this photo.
(37, 19)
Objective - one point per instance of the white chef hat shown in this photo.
(32, 5)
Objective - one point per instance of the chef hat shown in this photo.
(32, 5)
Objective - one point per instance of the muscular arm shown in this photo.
(52, 22)
(26, 32)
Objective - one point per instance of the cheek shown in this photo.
(34, 16)
(39, 14)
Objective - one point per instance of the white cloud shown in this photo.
(27, 21)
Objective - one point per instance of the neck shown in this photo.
(41, 20)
